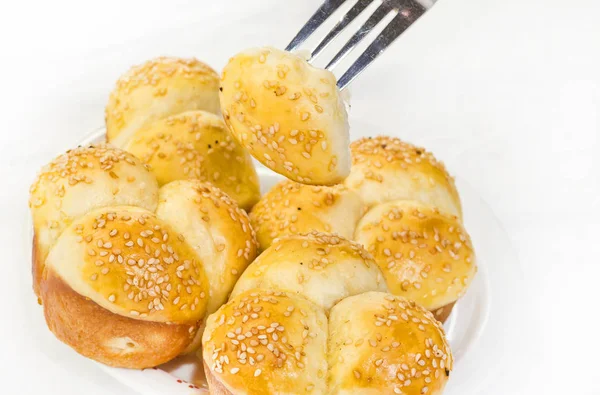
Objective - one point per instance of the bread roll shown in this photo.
(156, 89)
(386, 168)
(425, 256)
(197, 145)
(381, 344)
(323, 268)
(266, 342)
(125, 268)
(215, 227)
(288, 114)
(81, 180)
(291, 208)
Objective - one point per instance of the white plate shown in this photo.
(479, 321)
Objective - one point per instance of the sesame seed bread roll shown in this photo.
(81, 180)
(216, 229)
(127, 262)
(381, 344)
(425, 256)
(288, 114)
(156, 89)
(292, 208)
(386, 168)
(321, 267)
(266, 342)
(197, 145)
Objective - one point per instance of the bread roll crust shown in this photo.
(215, 386)
(37, 266)
(443, 313)
(267, 342)
(81, 180)
(288, 114)
(156, 89)
(197, 145)
(112, 339)
(425, 255)
(292, 208)
(321, 267)
(382, 344)
(387, 168)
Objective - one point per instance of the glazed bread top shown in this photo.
(290, 208)
(425, 256)
(156, 89)
(267, 342)
(321, 267)
(197, 145)
(379, 343)
(288, 114)
(133, 264)
(386, 168)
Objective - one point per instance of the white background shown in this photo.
(507, 92)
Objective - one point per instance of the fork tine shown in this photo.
(405, 17)
(324, 12)
(355, 11)
(373, 20)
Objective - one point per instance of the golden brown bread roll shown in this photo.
(108, 258)
(291, 208)
(197, 145)
(386, 168)
(426, 256)
(321, 267)
(288, 114)
(381, 344)
(215, 227)
(272, 342)
(127, 264)
(266, 342)
(81, 180)
(156, 89)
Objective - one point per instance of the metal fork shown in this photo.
(406, 12)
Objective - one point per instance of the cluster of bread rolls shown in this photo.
(401, 204)
(127, 271)
(166, 112)
(143, 249)
(312, 315)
